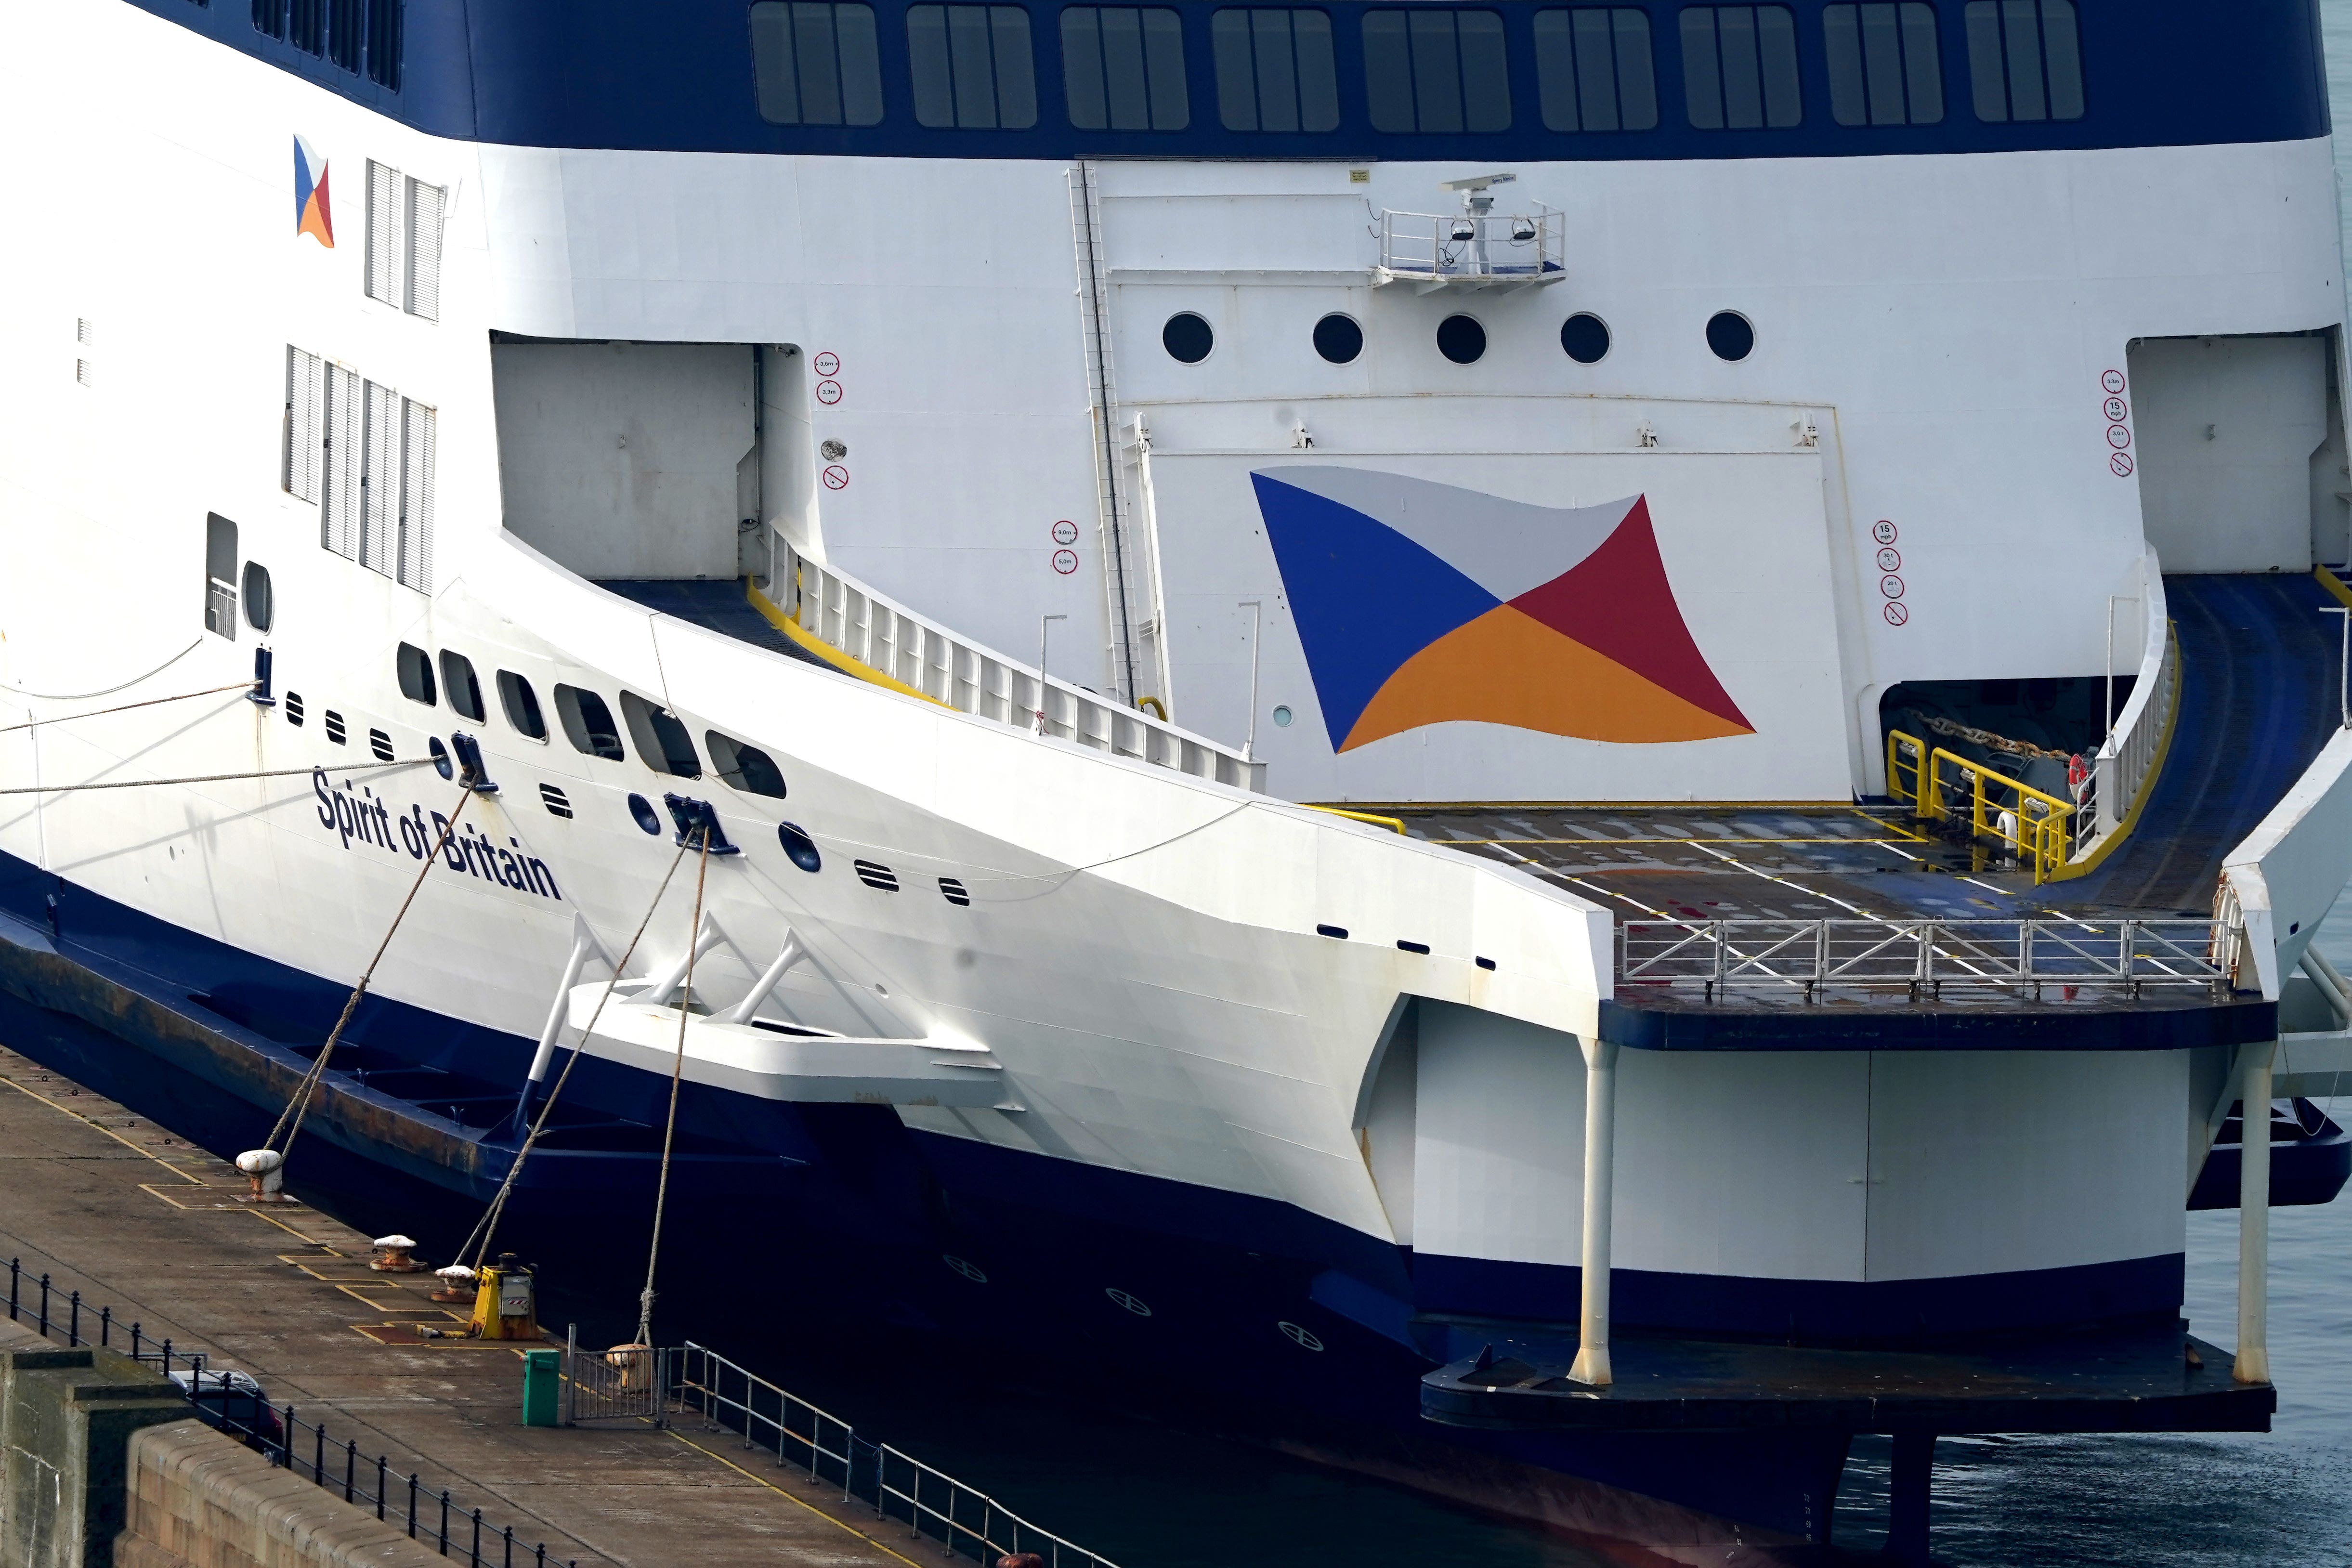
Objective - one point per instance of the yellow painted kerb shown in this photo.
(826, 651)
(2332, 583)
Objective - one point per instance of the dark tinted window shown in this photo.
(1739, 66)
(344, 30)
(1436, 72)
(465, 692)
(416, 675)
(2025, 60)
(1730, 335)
(1123, 67)
(662, 742)
(1584, 338)
(972, 66)
(1461, 339)
(1884, 67)
(1187, 337)
(386, 21)
(260, 600)
(588, 723)
(220, 575)
(1595, 69)
(1339, 339)
(522, 704)
(1275, 70)
(817, 63)
(799, 846)
(744, 767)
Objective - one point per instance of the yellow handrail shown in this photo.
(2030, 822)
(1394, 824)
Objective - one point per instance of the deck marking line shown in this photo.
(78, 1116)
(798, 1502)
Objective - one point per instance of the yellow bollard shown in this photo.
(506, 1306)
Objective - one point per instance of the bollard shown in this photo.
(393, 1256)
(266, 1169)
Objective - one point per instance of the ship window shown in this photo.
(416, 675)
(344, 32)
(2025, 61)
(1462, 339)
(1436, 72)
(465, 692)
(662, 742)
(260, 601)
(1584, 338)
(385, 26)
(1339, 339)
(1739, 66)
(744, 767)
(403, 241)
(522, 704)
(220, 577)
(588, 723)
(1730, 335)
(816, 64)
(1594, 70)
(799, 846)
(1275, 70)
(1187, 338)
(302, 23)
(1884, 69)
(1123, 67)
(972, 66)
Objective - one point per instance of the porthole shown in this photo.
(1731, 335)
(1187, 338)
(260, 602)
(643, 810)
(971, 1272)
(1282, 717)
(440, 756)
(1462, 339)
(1127, 1300)
(1304, 1338)
(799, 847)
(416, 675)
(1585, 338)
(1339, 339)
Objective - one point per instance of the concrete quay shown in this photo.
(114, 1205)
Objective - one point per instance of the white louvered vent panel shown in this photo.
(380, 481)
(424, 205)
(417, 497)
(306, 394)
(339, 521)
(384, 233)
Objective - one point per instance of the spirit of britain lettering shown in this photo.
(363, 815)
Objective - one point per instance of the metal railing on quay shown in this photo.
(234, 1406)
(932, 1505)
(1940, 784)
(1925, 959)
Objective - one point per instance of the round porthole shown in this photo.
(440, 755)
(1585, 337)
(1282, 717)
(261, 604)
(1187, 338)
(643, 810)
(1339, 339)
(971, 1272)
(1461, 339)
(1304, 1339)
(1132, 1304)
(799, 846)
(1730, 335)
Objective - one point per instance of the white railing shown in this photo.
(1924, 959)
(886, 636)
(1472, 249)
(2132, 746)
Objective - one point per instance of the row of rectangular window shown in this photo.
(1427, 71)
(360, 36)
(363, 455)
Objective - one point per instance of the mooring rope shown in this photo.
(486, 1228)
(677, 1072)
(213, 778)
(298, 1106)
(126, 707)
(108, 691)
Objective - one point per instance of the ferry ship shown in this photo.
(1330, 679)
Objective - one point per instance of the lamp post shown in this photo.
(1256, 608)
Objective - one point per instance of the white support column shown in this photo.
(2253, 1362)
(791, 953)
(1599, 1169)
(584, 946)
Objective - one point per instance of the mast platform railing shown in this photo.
(1473, 251)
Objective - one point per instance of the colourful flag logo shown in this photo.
(1419, 603)
(312, 215)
